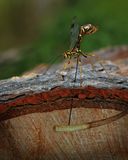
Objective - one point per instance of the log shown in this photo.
(48, 95)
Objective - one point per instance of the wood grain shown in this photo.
(31, 136)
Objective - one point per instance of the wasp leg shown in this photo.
(86, 56)
(80, 72)
(77, 64)
(65, 65)
(63, 72)
(99, 60)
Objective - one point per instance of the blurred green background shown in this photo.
(33, 31)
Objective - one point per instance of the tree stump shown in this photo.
(31, 105)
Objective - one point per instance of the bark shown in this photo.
(40, 91)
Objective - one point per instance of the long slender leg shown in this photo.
(80, 66)
(94, 70)
(83, 54)
(65, 65)
(63, 73)
(98, 58)
(77, 63)
(86, 56)
(102, 110)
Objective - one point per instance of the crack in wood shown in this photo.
(11, 99)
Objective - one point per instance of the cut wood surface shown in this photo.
(103, 93)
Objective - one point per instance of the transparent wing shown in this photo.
(52, 62)
(74, 32)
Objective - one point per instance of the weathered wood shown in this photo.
(45, 92)
(32, 136)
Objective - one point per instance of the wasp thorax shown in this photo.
(67, 54)
(88, 29)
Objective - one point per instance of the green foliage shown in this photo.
(110, 17)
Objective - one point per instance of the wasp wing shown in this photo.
(74, 33)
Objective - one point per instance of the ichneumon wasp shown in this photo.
(77, 34)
